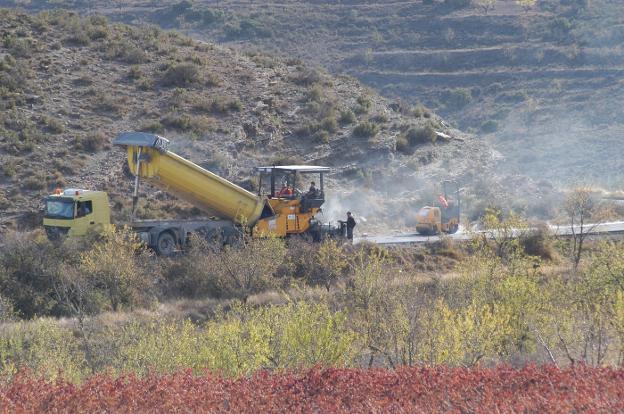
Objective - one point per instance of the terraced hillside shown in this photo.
(543, 84)
(69, 84)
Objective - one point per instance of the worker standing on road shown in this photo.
(350, 225)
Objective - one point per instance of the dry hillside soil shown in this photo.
(543, 84)
(69, 84)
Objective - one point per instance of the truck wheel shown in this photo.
(165, 246)
(453, 229)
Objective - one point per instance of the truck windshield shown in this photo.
(63, 209)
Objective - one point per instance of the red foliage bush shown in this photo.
(409, 390)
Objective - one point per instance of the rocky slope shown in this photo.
(542, 84)
(69, 84)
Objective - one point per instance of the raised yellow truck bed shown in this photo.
(149, 158)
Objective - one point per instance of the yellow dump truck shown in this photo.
(279, 208)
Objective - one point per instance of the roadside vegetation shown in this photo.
(105, 304)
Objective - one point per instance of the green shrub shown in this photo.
(14, 75)
(560, 28)
(489, 127)
(220, 104)
(33, 183)
(329, 124)
(347, 117)
(28, 265)
(106, 103)
(240, 342)
(185, 123)
(403, 145)
(315, 94)
(135, 72)
(17, 47)
(120, 269)
(321, 136)
(380, 118)
(307, 77)
(539, 243)
(53, 125)
(44, 347)
(247, 27)
(319, 130)
(92, 142)
(123, 50)
(457, 98)
(415, 136)
(183, 74)
(364, 104)
(366, 130)
(9, 168)
(152, 126)
(420, 111)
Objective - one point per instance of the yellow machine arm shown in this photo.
(148, 155)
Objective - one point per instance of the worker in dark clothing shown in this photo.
(312, 192)
(350, 225)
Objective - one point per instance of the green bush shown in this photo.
(220, 104)
(92, 142)
(539, 243)
(366, 130)
(186, 123)
(183, 74)
(316, 94)
(420, 111)
(489, 126)
(456, 99)
(364, 104)
(422, 135)
(347, 117)
(9, 168)
(403, 145)
(42, 346)
(321, 136)
(152, 126)
(53, 125)
(380, 118)
(241, 342)
(247, 28)
(135, 72)
(329, 124)
(308, 77)
(33, 183)
(106, 103)
(28, 268)
(17, 47)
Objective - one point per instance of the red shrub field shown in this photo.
(328, 390)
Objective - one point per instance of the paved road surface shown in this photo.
(604, 229)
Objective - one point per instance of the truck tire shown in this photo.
(166, 244)
(453, 229)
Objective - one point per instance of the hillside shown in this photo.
(69, 84)
(542, 84)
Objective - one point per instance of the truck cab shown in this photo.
(74, 212)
